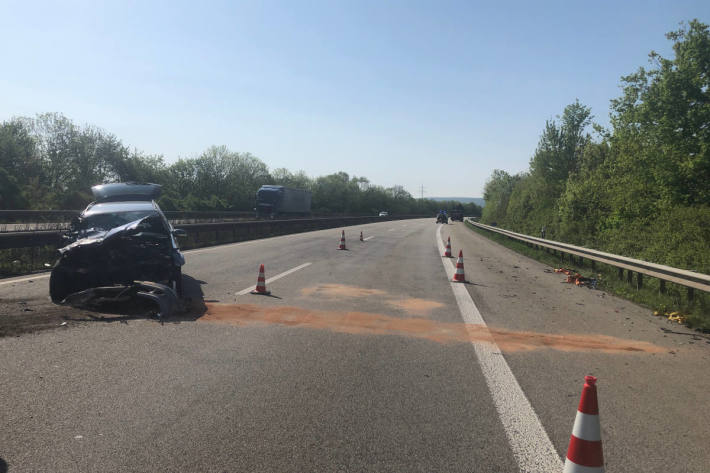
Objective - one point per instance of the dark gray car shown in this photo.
(120, 238)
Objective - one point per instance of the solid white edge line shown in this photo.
(274, 278)
(39, 276)
(531, 446)
(368, 238)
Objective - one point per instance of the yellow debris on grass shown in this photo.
(672, 316)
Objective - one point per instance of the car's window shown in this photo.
(107, 221)
(269, 197)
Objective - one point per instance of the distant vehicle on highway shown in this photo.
(274, 201)
(120, 238)
(384, 214)
(456, 214)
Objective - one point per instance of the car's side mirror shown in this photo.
(179, 232)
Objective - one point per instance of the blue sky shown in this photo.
(403, 92)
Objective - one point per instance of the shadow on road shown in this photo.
(3, 466)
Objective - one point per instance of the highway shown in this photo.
(364, 360)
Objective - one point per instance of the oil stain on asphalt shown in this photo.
(364, 323)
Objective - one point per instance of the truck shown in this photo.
(456, 214)
(274, 201)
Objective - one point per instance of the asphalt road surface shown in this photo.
(367, 359)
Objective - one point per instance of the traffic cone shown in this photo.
(361, 236)
(342, 241)
(261, 283)
(459, 275)
(447, 253)
(584, 453)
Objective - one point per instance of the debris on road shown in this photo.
(163, 296)
(573, 277)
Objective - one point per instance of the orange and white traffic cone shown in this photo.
(584, 453)
(447, 253)
(361, 239)
(459, 275)
(261, 283)
(342, 241)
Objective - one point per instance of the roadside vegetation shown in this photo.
(674, 303)
(640, 188)
(50, 162)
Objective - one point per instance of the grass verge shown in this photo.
(696, 312)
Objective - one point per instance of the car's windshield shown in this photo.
(267, 196)
(107, 221)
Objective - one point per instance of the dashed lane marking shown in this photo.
(368, 238)
(528, 439)
(274, 278)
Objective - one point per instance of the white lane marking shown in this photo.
(368, 238)
(391, 230)
(528, 439)
(274, 278)
(11, 281)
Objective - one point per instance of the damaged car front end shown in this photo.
(119, 249)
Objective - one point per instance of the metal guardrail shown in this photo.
(39, 220)
(204, 234)
(683, 277)
(34, 216)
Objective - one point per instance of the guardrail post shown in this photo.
(621, 274)
(639, 281)
(662, 286)
(594, 265)
(691, 294)
(629, 276)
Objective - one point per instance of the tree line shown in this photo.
(50, 162)
(640, 188)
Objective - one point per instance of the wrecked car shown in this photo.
(121, 241)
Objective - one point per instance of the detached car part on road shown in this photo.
(122, 240)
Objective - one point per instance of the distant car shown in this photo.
(120, 238)
(384, 214)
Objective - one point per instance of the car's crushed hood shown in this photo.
(94, 236)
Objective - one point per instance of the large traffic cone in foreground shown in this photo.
(361, 236)
(261, 283)
(584, 453)
(342, 241)
(459, 275)
(447, 253)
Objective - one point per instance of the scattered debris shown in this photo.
(573, 277)
(672, 316)
(163, 296)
